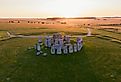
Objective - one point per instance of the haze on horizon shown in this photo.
(59, 8)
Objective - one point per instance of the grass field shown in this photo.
(36, 29)
(98, 61)
(3, 35)
(95, 63)
(106, 33)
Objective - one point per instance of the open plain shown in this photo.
(98, 61)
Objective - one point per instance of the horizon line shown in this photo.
(66, 17)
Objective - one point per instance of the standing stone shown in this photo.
(79, 40)
(65, 50)
(65, 38)
(68, 39)
(70, 49)
(56, 41)
(38, 47)
(52, 41)
(46, 41)
(60, 36)
(40, 40)
(61, 42)
(79, 46)
(59, 52)
(52, 50)
(75, 47)
(49, 42)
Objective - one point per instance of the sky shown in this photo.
(59, 8)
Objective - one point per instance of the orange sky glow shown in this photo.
(59, 8)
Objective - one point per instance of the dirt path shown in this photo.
(32, 36)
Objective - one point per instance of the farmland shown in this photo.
(98, 61)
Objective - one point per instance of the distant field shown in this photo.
(53, 25)
(30, 29)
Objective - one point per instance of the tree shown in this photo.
(18, 21)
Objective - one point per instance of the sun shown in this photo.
(68, 8)
(65, 8)
(68, 11)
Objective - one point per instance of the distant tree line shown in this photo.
(63, 22)
(109, 24)
(13, 21)
(43, 22)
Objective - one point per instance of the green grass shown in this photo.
(3, 35)
(104, 57)
(95, 63)
(98, 61)
(36, 29)
(106, 33)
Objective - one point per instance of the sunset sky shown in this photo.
(59, 8)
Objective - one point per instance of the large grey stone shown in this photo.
(75, 47)
(53, 50)
(65, 50)
(70, 49)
